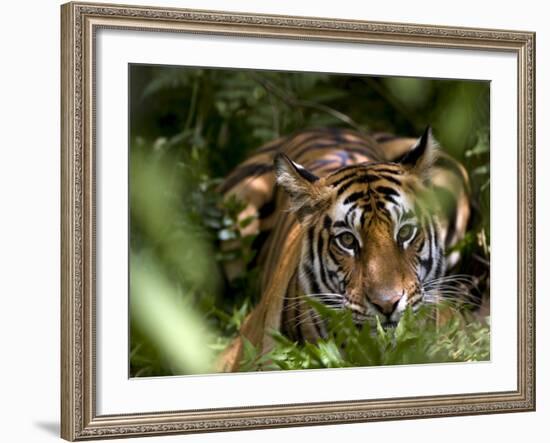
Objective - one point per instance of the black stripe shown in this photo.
(251, 169)
(311, 254)
(344, 188)
(386, 191)
(332, 275)
(359, 179)
(320, 254)
(391, 199)
(310, 177)
(267, 209)
(316, 146)
(428, 264)
(390, 179)
(335, 134)
(295, 144)
(315, 289)
(363, 150)
(386, 171)
(257, 244)
(354, 197)
(345, 177)
(382, 207)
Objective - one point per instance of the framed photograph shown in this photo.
(282, 221)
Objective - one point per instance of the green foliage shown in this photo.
(416, 339)
(190, 127)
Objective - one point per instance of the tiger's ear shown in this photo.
(307, 194)
(422, 155)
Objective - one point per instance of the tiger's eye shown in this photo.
(347, 240)
(405, 233)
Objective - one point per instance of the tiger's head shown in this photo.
(371, 239)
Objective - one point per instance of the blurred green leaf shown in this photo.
(171, 324)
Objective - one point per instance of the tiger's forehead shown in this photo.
(362, 192)
(366, 173)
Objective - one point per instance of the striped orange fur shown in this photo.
(359, 222)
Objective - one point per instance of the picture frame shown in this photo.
(80, 177)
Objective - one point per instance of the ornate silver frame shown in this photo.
(80, 21)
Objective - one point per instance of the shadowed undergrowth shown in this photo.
(416, 339)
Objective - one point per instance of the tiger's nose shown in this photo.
(386, 303)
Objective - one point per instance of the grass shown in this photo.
(416, 339)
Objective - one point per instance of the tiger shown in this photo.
(356, 221)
